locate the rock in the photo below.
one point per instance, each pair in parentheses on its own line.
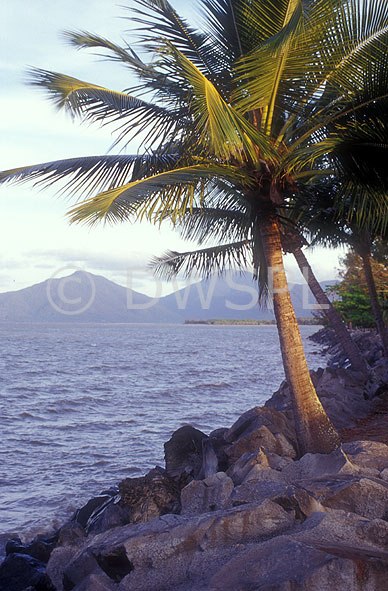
(259,472)
(71,538)
(83,515)
(71,534)
(19,571)
(260,438)
(257,491)
(96,582)
(291,498)
(149,496)
(277,462)
(38,548)
(59,559)
(283,564)
(368,454)
(209,459)
(340,391)
(241,468)
(319,465)
(110,516)
(183,453)
(202,496)
(173,549)
(219,443)
(364,497)
(341,527)
(259,416)
(79,568)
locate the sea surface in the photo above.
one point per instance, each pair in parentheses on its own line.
(84,406)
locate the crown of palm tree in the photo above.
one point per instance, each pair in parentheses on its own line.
(258,95)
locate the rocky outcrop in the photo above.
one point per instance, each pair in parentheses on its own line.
(236,510)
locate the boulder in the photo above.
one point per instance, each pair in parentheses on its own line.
(241,468)
(368,454)
(319,465)
(364,497)
(260,416)
(71,538)
(71,534)
(59,559)
(211,494)
(341,527)
(111,515)
(149,496)
(284,564)
(96,582)
(259,472)
(19,571)
(38,548)
(170,550)
(291,498)
(183,453)
(259,438)
(83,514)
(341,392)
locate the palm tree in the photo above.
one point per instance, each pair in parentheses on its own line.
(243,104)
(220,221)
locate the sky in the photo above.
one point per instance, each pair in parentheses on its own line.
(37,242)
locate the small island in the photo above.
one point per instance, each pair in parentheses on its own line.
(248,321)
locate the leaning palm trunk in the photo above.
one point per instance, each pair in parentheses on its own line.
(377,311)
(352,351)
(315,432)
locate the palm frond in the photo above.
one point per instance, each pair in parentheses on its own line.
(165,195)
(228,134)
(91,173)
(98,104)
(203,262)
(209,224)
(161,21)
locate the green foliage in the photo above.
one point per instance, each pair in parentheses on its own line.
(351,295)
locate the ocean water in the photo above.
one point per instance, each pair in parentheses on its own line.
(84,406)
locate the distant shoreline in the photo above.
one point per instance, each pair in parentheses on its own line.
(248,322)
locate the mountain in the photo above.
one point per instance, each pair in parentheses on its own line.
(85,297)
(81,297)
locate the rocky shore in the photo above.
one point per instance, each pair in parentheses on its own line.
(238,509)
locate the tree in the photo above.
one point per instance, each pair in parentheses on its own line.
(352,295)
(241,106)
(220,221)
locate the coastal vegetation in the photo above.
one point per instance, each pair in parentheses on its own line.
(248,111)
(351,295)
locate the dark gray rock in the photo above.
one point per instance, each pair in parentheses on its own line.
(19,571)
(364,497)
(92,507)
(291,498)
(38,548)
(96,582)
(241,468)
(211,494)
(319,465)
(285,564)
(149,496)
(166,552)
(110,516)
(183,453)
(367,454)
(257,417)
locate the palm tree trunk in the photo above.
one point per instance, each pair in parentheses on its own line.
(378,314)
(315,432)
(349,346)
